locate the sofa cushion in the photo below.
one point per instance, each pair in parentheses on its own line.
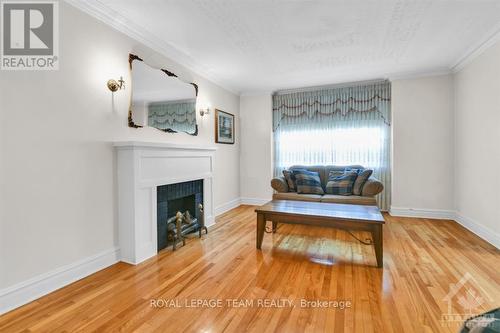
(334,174)
(314,168)
(349,199)
(341,185)
(297,196)
(363,175)
(290,179)
(324,170)
(308,182)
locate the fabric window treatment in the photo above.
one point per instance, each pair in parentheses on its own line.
(337,126)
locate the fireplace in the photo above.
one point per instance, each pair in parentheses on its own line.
(142,168)
(173,198)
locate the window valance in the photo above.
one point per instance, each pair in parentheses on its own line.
(371,99)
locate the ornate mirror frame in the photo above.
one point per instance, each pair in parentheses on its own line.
(131,58)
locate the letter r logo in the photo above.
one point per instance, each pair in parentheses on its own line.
(28,28)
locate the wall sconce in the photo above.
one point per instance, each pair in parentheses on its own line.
(204,111)
(113,85)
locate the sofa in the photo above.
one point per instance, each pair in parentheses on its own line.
(370,189)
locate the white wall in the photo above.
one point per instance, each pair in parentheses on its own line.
(422,159)
(422,125)
(256,148)
(57,177)
(477,149)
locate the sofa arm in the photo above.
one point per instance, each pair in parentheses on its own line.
(372,187)
(279,184)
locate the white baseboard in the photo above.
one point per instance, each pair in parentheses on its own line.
(221,209)
(475,227)
(34,288)
(489,235)
(422,213)
(254,201)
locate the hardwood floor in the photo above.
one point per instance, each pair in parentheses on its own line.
(421,259)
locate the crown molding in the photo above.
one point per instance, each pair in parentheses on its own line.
(476,50)
(108,16)
(253,93)
(419,74)
(103,13)
(329,86)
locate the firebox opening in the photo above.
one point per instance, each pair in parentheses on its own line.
(181,205)
(173,198)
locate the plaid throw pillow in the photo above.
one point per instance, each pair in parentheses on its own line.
(336,173)
(290,180)
(308,182)
(363,176)
(341,185)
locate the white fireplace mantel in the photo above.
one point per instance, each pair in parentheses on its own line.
(141,168)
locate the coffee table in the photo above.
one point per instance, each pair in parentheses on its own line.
(340,216)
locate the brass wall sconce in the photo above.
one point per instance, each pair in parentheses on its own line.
(204,111)
(114,85)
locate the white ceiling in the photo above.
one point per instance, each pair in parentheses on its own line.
(266,45)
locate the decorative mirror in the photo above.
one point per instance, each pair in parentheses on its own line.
(161,100)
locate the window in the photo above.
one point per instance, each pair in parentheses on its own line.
(336,126)
(334,146)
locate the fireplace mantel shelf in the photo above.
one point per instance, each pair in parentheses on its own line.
(161,145)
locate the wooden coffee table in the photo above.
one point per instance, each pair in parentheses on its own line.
(340,216)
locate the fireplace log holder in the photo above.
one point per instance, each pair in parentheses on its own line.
(180,225)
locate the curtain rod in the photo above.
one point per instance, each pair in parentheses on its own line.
(329,86)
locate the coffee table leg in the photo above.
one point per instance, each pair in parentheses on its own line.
(261,226)
(275,226)
(378,243)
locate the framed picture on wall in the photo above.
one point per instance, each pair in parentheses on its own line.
(224,127)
